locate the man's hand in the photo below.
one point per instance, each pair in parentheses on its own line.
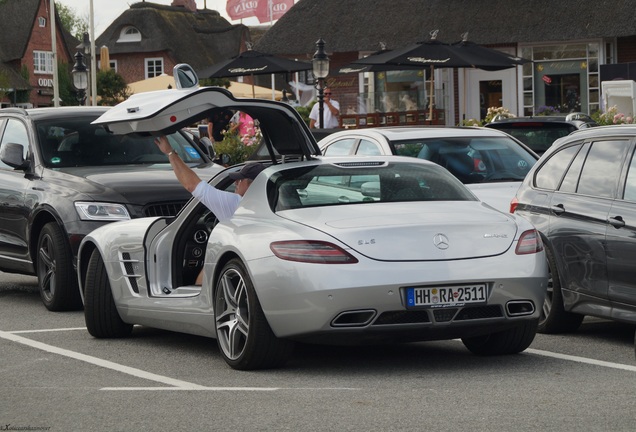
(163,144)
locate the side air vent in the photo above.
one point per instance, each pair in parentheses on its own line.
(129,271)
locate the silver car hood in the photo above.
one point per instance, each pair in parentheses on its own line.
(423,232)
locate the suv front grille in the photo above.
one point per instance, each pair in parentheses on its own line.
(163,209)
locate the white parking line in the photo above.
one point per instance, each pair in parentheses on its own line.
(176,384)
(581,360)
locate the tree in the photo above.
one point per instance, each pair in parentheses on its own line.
(71,21)
(111,87)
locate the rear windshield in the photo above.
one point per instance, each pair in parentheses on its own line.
(538,136)
(345,184)
(472,160)
(76,142)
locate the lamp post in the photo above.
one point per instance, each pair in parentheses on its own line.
(80,77)
(320,64)
(85,46)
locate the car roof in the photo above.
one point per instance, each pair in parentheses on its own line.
(57,112)
(165,111)
(576,119)
(414,132)
(623,130)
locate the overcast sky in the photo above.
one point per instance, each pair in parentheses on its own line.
(107,10)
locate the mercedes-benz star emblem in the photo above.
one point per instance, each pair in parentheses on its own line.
(440,241)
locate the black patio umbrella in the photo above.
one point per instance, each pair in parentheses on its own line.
(251,63)
(436,53)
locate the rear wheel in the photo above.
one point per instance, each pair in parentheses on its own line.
(56,276)
(100,312)
(244,336)
(554,318)
(511,341)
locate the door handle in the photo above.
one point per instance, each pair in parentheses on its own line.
(557,209)
(616,221)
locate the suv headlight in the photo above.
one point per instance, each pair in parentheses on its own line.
(97,211)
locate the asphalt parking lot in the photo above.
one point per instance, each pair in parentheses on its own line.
(56,377)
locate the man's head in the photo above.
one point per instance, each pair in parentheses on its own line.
(327,93)
(244,178)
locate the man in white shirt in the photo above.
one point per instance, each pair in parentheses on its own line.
(222,203)
(331,111)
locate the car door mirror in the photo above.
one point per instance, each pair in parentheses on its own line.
(208,147)
(12,155)
(184,76)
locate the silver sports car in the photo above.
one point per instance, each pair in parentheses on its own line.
(325,250)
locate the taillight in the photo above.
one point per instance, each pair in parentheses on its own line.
(513,204)
(530,242)
(311,251)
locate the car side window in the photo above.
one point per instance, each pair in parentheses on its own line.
(341,147)
(368,148)
(549,175)
(599,176)
(571,179)
(630,184)
(15,132)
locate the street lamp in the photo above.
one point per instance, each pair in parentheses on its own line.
(80,77)
(320,64)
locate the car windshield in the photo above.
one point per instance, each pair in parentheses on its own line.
(73,142)
(538,136)
(472,159)
(362,183)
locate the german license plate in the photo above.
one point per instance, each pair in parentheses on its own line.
(447,296)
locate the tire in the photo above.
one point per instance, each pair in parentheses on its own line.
(245,339)
(100,312)
(511,341)
(57,280)
(554,318)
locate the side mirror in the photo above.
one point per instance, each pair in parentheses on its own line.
(184,76)
(208,147)
(12,155)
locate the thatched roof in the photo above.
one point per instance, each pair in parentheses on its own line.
(199,38)
(359,25)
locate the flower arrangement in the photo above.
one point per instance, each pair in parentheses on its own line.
(497,112)
(612,116)
(238,148)
(470,122)
(546,110)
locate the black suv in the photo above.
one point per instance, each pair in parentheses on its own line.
(540,132)
(581,196)
(61,177)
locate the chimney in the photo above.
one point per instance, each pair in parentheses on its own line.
(190,5)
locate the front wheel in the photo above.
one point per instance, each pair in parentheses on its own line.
(511,341)
(100,312)
(245,339)
(56,276)
(554,318)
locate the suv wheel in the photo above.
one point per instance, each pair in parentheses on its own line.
(56,276)
(554,318)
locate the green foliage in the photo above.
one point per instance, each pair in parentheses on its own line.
(238,149)
(4,83)
(70,21)
(111,87)
(67,92)
(23,96)
(304,113)
(219,82)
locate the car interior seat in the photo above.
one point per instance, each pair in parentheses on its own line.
(288,197)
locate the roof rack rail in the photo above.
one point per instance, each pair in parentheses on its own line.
(16,110)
